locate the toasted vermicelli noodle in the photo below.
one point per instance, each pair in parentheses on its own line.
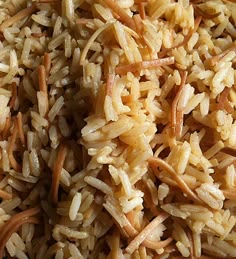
(117,129)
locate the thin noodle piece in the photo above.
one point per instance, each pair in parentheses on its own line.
(15,227)
(179,123)
(142,12)
(63,150)
(132,232)
(110,83)
(12,159)
(134,244)
(19,16)
(191,245)
(215,59)
(13,96)
(122,15)
(174,122)
(155,162)
(20,128)
(38,35)
(186,38)
(83,21)
(91,40)
(17,218)
(229,151)
(138,24)
(6,128)
(47,63)
(42,79)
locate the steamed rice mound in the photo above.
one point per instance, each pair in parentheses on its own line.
(117,129)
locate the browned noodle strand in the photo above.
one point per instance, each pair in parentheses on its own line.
(38,35)
(121,14)
(224,102)
(20,128)
(47,63)
(14,95)
(7,127)
(13,138)
(145,232)
(18,217)
(14,223)
(17,17)
(186,38)
(192,256)
(142,10)
(42,79)
(14,228)
(155,162)
(132,232)
(213,60)
(174,112)
(62,152)
(110,83)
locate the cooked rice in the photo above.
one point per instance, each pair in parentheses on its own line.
(117,129)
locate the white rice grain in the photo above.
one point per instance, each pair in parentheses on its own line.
(75,205)
(56,108)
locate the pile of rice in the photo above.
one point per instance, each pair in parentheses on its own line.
(117,129)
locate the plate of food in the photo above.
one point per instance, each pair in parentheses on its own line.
(117,129)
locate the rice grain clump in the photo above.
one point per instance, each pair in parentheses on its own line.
(117,129)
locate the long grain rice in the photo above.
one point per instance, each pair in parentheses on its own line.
(114,113)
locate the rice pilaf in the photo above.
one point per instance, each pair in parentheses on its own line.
(117,129)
